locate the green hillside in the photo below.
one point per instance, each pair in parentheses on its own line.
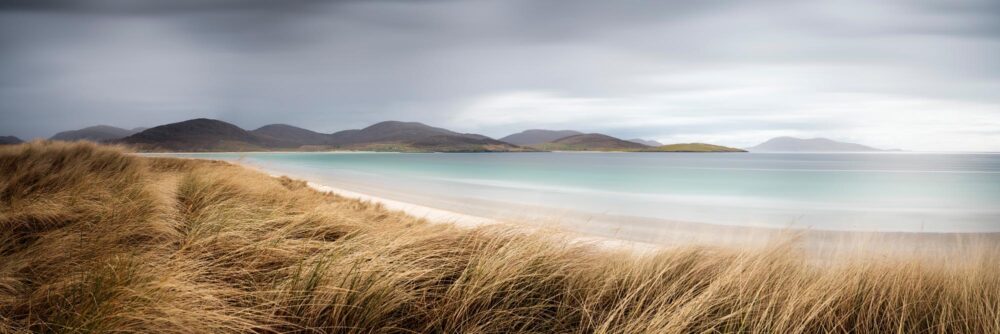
(692,147)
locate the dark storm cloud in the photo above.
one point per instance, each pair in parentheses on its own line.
(891,72)
(151,6)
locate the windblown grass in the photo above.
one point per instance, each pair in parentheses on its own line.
(95,240)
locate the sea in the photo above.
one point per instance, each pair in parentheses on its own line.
(879,192)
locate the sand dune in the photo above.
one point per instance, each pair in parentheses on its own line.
(96,240)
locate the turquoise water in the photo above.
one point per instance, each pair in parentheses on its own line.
(871,192)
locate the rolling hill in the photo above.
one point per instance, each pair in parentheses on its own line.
(538,136)
(590,142)
(199,135)
(394,131)
(96,133)
(605,143)
(417,137)
(10,140)
(792,144)
(691,147)
(209,135)
(446,143)
(646,142)
(292,135)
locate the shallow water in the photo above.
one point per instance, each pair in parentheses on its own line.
(906,192)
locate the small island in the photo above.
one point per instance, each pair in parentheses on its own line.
(692,147)
(810,145)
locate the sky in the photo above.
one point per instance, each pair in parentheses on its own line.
(913,74)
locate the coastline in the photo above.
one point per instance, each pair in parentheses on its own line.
(416,210)
(424,212)
(658,234)
(442,216)
(660,190)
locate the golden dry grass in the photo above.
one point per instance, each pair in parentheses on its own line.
(95,240)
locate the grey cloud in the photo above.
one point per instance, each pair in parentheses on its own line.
(343,64)
(133,7)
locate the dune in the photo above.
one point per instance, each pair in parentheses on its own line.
(93,239)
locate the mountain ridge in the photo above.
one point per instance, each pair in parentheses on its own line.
(211,135)
(393,131)
(10,140)
(793,144)
(96,133)
(693,148)
(200,134)
(292,134)
(204,134)
(589,142)
(646,142)
(416,136)
(538,136)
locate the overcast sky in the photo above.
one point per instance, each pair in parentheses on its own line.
(914,74)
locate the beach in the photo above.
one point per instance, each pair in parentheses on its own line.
(637,192)
(639,233)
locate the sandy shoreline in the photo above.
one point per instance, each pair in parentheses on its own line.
(644,235)
(460,219)
(441,216)
(420,211)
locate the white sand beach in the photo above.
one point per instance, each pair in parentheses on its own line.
(643,234)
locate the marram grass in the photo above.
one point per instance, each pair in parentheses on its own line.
(96,240)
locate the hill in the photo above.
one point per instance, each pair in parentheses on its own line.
(646,142)
(291,134)
(96,133)
(446,143)
(200,135)
(537,136)
(601,142)
(109,242)
(394,131)
(214,135)
(10,140)
(590,142)
(692,147)
(417,137)
(792,144)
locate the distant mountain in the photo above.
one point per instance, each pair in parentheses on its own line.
(692,147)
(791,144)
(646,142)
(394,131)
(601,142)
(413,136)
(10,140)
(209,135)
(214,135)
(198,135)
(538,136)
(446,143)
(94,133)
(590,142)
(292,135)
